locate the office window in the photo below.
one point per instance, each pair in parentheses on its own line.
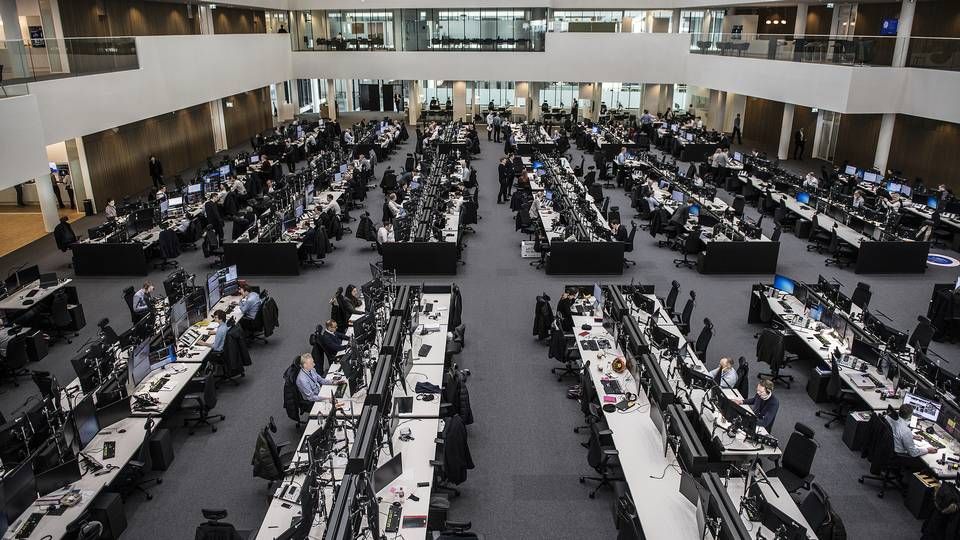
(560,94)
(502,93)
(442,90)
(587,20)
(647,21)
(305,92)
(625,95)
(476,29)
(362,28)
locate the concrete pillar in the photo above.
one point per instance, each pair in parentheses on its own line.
(532,109)
(705,25)
(16,53)
(800,25)
(884,139)
(413,108)
(715,110)
(522,91)
(595,93)
(459,99)
(651,98)
(219,126)
(206,19)
(904,30)
(79,172)
(786,131)
(647,21)
(315,91)
(348,84)
(48,202)
(666,97)
(675,22)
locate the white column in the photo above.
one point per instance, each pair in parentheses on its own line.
(904,30)
(718,100)
(459,99)
(666,97)
(786,131)
(79,172)
(218,124)
(413,108)
(48,203)
(206,18)
(315,91)
(884,139)
(331,99)
(675,22)
(522,90)
(800,25)
(651,98)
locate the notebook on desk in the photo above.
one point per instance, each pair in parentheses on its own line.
(611,386)
(862,381)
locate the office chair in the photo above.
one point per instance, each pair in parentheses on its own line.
(644,212)
(214,529)
(703,340)
(60,320)
(771,351)
(922,334)
(201,397)
(784,218)
(843,399)
(743,376)
(670,302)
(131,476)
(879,451)
(455,344)
(169,247)
(541,246)
(777,231)
(815,508)
(128,298)
(842,255)
(690,246)
(274,463)
(313,250)
(604,458)
(589,402)
(456,530)
(941,235)
(628,245)
(738,204)
(861,295)
(259,332)
(210,248)
(683,321)
(793,467)
(819,237)
(14,360)
(563,348)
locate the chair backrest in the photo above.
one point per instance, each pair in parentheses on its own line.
(628,247)
(59,312)
(128,298)
(16,355)
(861,295)
(738,204)
(672,295)
(800,450)
(815,507)
(834,385)
(688,309)
(922,334)
(743,374)
(692,243)
(209,392)
(703,340)
(776,234)
(834,241)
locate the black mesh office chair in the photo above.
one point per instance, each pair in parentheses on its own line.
(131,476)
(861,295)
(604,458)
(777,231)
(690,246)
(59,319)
(563,348)
(589,402)
(815,508)
(743,376)
(201,398)
(628,245)
(793,468)
(670,302)
(738,204)
(842,254)
(214,528)
(842,398)
(703,340)
(922,334)
(683,321)
(14,361)
(819,237)
(879,451)
(783,218)
(771,351)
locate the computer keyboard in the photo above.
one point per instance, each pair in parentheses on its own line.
(393,518)
(158,384)
(32,293)
(424,350)
(29,525)
(933,442)
(823,341)
(877,382)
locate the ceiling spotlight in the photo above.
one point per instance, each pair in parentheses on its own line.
(768,21)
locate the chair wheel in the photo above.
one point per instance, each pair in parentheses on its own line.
(582,480)
(214,428)
(159,480)
(189,433)
(592,495)
(880,494)
(817,413)
(149,497)
(576,430)
(860,480)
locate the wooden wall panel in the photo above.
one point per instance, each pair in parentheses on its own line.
(926,148)
(819,19)
(762,119)
(804,117)
(118,159)
(870,18)
(940,18)
(238,21)
(857,139)
(246,114)
(81,18)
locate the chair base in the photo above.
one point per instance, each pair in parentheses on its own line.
(604,480)
(208,420)
(886,479)
(785,380)
(568,370)
(835,415)
(628,262)
(839,263)
(685,263)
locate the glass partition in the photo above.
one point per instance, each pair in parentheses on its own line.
(934,53)
(29,60)
(476,29)
(843,50)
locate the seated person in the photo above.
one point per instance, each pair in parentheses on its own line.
(332,204)
(619,232)
(904,441)
(63,234)
(724,374)
(142,303)
(564,310)
(309,381)
(331,341)
(682,213)
(220,334)
(764,404)
(249,307)
(385,233)
(351,302)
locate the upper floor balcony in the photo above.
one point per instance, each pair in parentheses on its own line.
(27,61)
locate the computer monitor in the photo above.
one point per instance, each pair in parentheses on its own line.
(289,223)
(194,188)
(689,137)
(28,275)
(298,211)
(337,177)
(803,197)
(254,159)
(111,413)
(597,294)
(595,130)
(905,190)
(738,156)
(164,206)
(163,356)
(178,317)
(932,202)
(225,170)
(19,491)
(850,170)
(49,279)
(677,195)
(816,312)
(537,164)
(85,418)
(174,202)
(230,279)
(58,477)
(675,127)
(138,364)
(922,407)
(343,168)
(385,474)
(737,414)
(871,177)
(893,187)
(213,290)
(694,210)
(783,283)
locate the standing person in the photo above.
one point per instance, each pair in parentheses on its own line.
(497,122)
(490,126)
(737,134)
(799,141)
(574,110)
(396,103)
(68,184)
(111,209)
(504,170)
(142,303)
(19,189)
(56,189)
(156,172)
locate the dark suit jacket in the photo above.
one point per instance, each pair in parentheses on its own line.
(621,235)
(156,169)
(331,343)
(680,215)
(765,409)
(213,214)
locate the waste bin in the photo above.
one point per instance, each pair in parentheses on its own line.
(88,207)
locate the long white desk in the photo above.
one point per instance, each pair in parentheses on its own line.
(777,496)
(15,302)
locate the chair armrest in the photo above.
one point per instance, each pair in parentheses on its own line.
(609,451)
(193,396)
(604,432)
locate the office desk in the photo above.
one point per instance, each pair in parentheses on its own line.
(951,449)
(781,500)
(89,485)
(416,456)
(15,303)
(427,257)
(664,511)
(179,377)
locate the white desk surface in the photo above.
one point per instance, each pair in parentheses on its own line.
(781,500)
(15,301)
(663,510)
(90,485)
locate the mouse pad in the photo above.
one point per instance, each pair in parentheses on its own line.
(414,522)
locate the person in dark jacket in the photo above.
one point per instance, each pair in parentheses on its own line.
(63,234)
(156,172)
(331,341)
(212,211)
(764,404)
(564,310)
(456,453)
(504,172)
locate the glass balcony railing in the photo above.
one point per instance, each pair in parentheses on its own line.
(25,61)
(820,49)
(934,53)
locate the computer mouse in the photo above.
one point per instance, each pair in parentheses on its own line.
(121,430)
(27,302)
(930,430)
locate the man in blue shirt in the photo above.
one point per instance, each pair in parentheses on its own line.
(904,441)
(220,334)
(309,381)
(764,404)
(249,307)
(142,302)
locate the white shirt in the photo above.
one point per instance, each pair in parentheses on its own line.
(385,236)
(395,208)
(348,137)
(903,442)
(332,204)
(811,182)
(110,211)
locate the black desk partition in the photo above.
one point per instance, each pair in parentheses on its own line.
(420,257)
(263,258)
(739,258)
(896,257)
(109,259)
(585,258)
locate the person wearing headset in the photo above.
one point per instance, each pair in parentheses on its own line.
(220,334)
(309,381)
(764,404)
(724,374)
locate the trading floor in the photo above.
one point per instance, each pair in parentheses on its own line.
(528,459)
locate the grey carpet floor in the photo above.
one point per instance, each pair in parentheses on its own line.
(527,457)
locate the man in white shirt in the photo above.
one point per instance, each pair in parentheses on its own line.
(857,199)
(724,374)
(332,204)
(905,442)
(162,193)
(111,209)
(348,137)
(395,209)
(385,233)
